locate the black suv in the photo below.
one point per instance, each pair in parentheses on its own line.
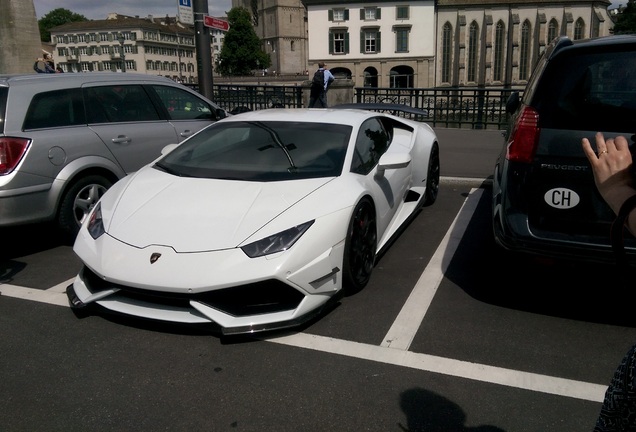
(544,198)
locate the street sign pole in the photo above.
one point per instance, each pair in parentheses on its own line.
(204,60)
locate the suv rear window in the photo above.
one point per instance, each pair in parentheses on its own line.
(588,91)
(55,109)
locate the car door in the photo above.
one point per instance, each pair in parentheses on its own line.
(128,123)
(388,188)
(187,111)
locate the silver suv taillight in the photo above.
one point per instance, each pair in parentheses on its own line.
(11,152)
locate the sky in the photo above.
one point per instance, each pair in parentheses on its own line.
(99,9)
(93,9)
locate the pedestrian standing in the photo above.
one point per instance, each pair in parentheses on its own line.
(319,86)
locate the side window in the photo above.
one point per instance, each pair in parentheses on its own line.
(182,105)
(371,143)
(119,103)
(56,108)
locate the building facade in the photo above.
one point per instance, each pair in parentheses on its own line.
(496,44)
(281,25)
(158,46)
(424,43)
(380,44)
(387,43)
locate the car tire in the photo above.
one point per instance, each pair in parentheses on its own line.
(78,201)
(360,247)
(432,177)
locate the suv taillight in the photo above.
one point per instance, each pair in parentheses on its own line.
(524,137)
(11,152)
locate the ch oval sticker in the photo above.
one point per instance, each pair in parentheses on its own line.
(561,198)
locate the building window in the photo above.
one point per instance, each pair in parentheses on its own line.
(338,42)
(370,41)
(338,14)
(524,51)
(401,77)
(370,14)
(370,77)
(103,37)
(473,37)
(401,12)
(579,29)
(553,30)
(292,46)
(447,40)
(402,39)
(500,40)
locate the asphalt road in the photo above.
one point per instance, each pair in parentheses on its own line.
(451,334)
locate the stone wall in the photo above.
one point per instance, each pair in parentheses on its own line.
(20,42)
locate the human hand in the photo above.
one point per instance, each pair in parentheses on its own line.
(612,169)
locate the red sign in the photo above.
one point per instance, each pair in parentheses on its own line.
(216,23)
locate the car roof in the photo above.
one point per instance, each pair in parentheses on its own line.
(66,79)
(314,115)
(564,43)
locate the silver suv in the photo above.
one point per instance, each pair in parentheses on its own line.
(66,138)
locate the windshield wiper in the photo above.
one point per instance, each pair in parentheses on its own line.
(169,170)
(281,145)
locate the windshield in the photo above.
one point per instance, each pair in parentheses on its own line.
(261,151)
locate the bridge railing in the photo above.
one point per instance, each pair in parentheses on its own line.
(451,107)
(465,107)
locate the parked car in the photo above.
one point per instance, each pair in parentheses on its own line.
(258,221)
(66,138)
(544,198)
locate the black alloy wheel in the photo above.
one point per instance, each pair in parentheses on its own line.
(432,177)
(360,247)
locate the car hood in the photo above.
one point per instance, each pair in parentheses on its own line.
(194,215)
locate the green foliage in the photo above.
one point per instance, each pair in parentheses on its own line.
(626,21)
(55,18)
(242,52)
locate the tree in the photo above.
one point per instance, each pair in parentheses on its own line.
(241,52)
(55,18)
(626,20)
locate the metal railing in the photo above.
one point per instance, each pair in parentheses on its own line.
(452,107)
(239,98)
(465,107)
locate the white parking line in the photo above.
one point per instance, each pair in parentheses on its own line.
(446,366)
(55,295)
(408,321)
(395,345)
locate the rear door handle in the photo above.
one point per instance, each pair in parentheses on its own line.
(121,139)
(186,133)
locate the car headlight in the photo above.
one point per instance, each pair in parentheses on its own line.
(277,242)
(95,224)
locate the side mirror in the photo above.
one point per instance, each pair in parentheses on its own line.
(512,103)
(220,113)
(167,149)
